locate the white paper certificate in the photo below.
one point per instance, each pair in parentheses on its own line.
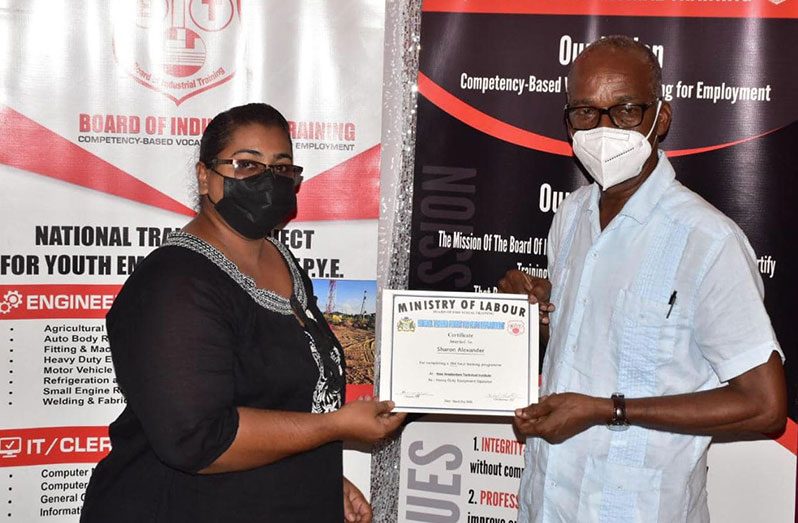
(458,352)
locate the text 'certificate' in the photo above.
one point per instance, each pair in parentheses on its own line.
(458,352)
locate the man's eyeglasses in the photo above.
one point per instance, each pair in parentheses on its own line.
(624,116)
(243,169)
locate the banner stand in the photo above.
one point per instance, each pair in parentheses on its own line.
(399,99)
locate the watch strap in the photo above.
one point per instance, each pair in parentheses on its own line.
(619,421)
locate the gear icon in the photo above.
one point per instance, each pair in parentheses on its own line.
(5,308)
(13,298)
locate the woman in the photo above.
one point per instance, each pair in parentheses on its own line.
(234,382)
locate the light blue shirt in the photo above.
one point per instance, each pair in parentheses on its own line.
(614,331)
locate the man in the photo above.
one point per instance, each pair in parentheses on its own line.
(659,339)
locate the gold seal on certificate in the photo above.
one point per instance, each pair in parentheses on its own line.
(458,352)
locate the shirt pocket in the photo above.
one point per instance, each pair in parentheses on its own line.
(611,492)
(646,329)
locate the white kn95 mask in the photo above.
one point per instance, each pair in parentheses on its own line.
(612,155)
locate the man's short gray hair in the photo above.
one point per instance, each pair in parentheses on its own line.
(623,42)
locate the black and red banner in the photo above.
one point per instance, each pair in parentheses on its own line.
(493,161)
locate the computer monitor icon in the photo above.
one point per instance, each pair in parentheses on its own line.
(10,447)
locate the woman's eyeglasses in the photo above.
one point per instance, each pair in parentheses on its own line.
(243,169)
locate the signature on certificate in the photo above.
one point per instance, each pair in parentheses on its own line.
(414,394)
(505,396)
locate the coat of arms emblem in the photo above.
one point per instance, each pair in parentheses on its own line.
(406,325)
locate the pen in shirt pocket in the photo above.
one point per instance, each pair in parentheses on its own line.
(671,301)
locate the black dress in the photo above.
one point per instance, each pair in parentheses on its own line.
(192,339)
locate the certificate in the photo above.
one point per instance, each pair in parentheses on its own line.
(458,352)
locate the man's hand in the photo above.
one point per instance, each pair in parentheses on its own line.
(538,290)
(559,416)
(356,508)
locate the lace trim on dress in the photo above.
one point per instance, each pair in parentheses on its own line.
(325,397)
(265,298)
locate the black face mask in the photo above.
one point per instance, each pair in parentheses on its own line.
(256,205)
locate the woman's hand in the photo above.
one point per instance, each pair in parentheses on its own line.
(367,421)
(356,508)
(538,290)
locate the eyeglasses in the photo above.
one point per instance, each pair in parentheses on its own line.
(624,116)
(243,169)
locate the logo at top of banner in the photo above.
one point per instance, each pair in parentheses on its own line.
(179,48)
(777,2)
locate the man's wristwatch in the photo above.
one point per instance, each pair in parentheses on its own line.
(619,421)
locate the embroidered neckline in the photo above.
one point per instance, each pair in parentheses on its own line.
(265,298)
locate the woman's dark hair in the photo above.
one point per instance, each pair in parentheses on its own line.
(219,132)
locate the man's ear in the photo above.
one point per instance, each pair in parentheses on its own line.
(202,178)
(664,119)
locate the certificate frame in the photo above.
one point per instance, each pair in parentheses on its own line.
(440,353)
